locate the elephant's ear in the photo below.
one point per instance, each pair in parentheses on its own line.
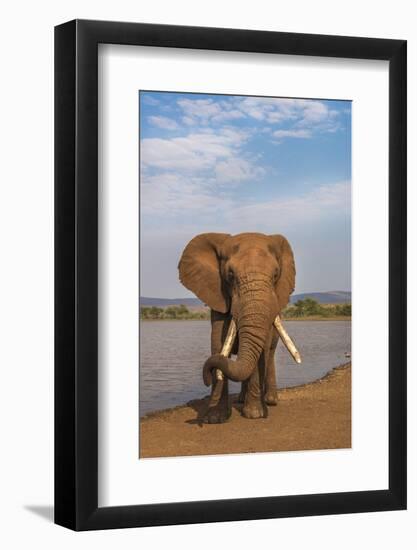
(199,269)
(286,283)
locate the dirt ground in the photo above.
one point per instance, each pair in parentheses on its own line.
(312,416)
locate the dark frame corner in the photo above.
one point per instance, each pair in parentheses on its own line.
(76,178)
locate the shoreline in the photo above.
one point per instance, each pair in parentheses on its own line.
(311,416)
(233,396)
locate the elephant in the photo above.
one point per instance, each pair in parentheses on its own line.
(246,280)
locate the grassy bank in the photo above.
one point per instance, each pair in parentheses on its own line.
(319,318)
(302,310)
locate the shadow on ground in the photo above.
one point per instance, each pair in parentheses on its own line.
(200,406)
(45,512)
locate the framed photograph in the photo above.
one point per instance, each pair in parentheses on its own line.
(230,253)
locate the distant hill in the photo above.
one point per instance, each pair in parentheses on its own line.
(165,302)
(331,297)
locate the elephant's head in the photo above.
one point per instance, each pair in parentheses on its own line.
(250,276)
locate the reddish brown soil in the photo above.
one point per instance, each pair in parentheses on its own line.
(313,416)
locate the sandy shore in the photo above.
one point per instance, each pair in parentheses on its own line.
(312,416)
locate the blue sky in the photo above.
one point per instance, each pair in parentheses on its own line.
(235,164)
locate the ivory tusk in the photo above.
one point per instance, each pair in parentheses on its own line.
(289,344)
(227,346)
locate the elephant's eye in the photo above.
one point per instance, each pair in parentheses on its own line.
(230,275)
(276,275)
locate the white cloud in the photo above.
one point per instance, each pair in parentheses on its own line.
(163,122)
(295,114)
(189,121)
(271,110)
(301,112)
(196,171)
(327,201)
(149,100)
(301,134)
(314,111)
(237,170)
(207,154)
(233,114)
(180,195)
(193,153)
(199,110)
(208,111)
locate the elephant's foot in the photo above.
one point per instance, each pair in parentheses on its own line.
(271,397)
(217,414)
(255,410)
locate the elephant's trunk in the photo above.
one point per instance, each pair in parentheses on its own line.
(254,321)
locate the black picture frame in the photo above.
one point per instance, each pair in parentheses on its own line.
(76,272)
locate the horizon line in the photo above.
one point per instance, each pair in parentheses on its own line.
(295,294)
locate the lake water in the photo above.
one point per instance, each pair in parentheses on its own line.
(172,355)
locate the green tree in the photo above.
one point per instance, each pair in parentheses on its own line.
(177,312)
(144,312)
(151,312)
(344,309)
(308,306)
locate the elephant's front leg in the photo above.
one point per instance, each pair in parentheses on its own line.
(271,391)
(255,406)
(219,409)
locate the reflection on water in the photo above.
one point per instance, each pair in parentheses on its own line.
(172,354)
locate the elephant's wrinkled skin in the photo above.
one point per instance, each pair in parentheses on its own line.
(248,277)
